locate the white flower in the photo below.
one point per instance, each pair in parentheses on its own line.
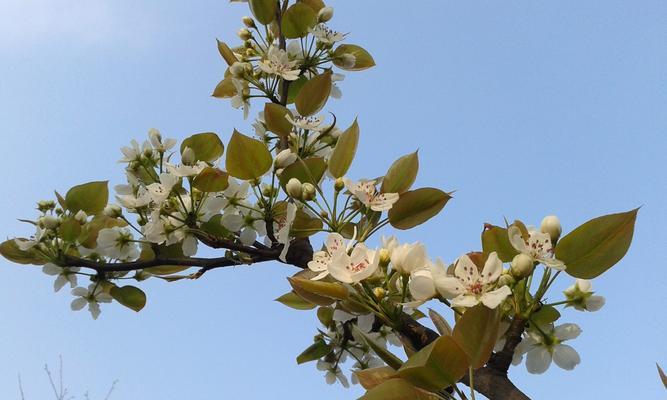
(157,142)
(134,152)
(332,374)
(284,159)
(336,93)
(360,264)
(422,280)
(334,244)
(189,245)
(366,193)
(117,243)
(406,258)
(284,228)
(92,297)
(326,35)
(184,170)
(27,244)
(541,350)
(249,224)
(581,296)
(133,202)
(468,287)
(235,194)
(240,100)
(311,123)
(277,63)
(537,246)
(81,217)
(64,275)
(159,191)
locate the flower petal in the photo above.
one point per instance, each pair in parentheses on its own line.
(465,301)
(493,267)
(493,298)
(538,360)
(466,270)
(448,286)
(567,331)
(566,357)
(78,304)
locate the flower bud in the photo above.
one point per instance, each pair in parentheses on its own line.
(522,266)
(506,280)
(339,184)
(325,14)
(551,225)
(379,293)
(284,158)
(385,257)
(48,222)
(348,60)
(294,188)
(188,156)
(81,217)
(113,211)
(46,205)
(308,191)
(244,34)
(248,21)
(237,69)
(250,52)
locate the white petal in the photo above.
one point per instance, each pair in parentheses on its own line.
(80,291)
(248,236)
(233,222)
(566,357)
(365,322)
(342,316)
(567,331)
(538,360)
(584,285)
(465,301)
(516,240)
(78,304)
(466,270)
(189,246)
(422,286)
(52,269)
(449,287)
(493,298)
(493,267)
(553,263)
(594,303)
(94,309)
(60,281)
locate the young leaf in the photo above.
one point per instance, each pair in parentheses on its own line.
(316,5)
(345,150)
(207,146)
(264,10)
(362,59)
(544,316)
(416,207)
(398,389)
(247,158)
(309,170)
(274,115)
(385,355)
(401,174)
(69,229)
(90,197)
(314,93)
(226,53)
(495,238)
(297,20)
(476,332)
(663,377)
(293,300)
(597,245)
(211,180)
(372,377)
(315,351)
(10,251)
(440,322)
(225,89)
(331,290)
(129,296)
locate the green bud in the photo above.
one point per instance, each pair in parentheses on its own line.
(339,184)
(248,21)
(506,280)
(46,205)
(522,266)
(113,211)
(325,14)
(188,156)
(244,34)
(294,188)
(308,191)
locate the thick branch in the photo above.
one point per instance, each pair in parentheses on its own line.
(501,360)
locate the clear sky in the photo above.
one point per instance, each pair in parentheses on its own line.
(526,108)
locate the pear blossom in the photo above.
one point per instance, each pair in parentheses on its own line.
(326,35)
(117,243)
(134,152)
(159,191)
(277,63)
(249,224)
(236,194)
(134,201)
(334,244)
(360,264)
(185,170)
(311,123)
(468,287)
(284,228)
(537,246)
(27,244)
(541,349)
(240,100)
(64,275)
(422,280)
(366,193)
(91,297)
(333,373)
(158,143)
(284,159)
(580,296)
(406,258)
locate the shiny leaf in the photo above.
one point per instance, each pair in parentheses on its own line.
(129,296)
(344,152)
(314,94)
(362,59)
(247,158)
(90,197)
(207,146)
(264,10)
(211,180)
(297,20)
(274,116)
(401,174)
(476,332)
(293,300)
(416,207)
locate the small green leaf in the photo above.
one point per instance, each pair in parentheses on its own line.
(314,352)
(10,251)
(309,170)
(314,93)
(476,332)
(207,146)
(440,322)
(316,5)
(295,88)
(247,158)
(362,59)
(211,180)
(69,229)
(264,10)
(401,174)
(344,152)
(293,300)
(129,296)
(226,53)
(332,290)
(495,238)
(372,377)
(225,89)
(274,116)
(385,355)
(663,377)
(397,389)
(90,197)
(544,316)
(416,207)
(214,227)
(436,366)
(597,245)
(297,20)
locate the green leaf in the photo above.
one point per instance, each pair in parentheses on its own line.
(495,238)
(362,59)
(211,180)
(325,315)
(663,377)
(69,229)
(225,89)
(207,146)
(440,322)
(476,332)
(401,174)
(305,225)
(274,116)
(247,158)
(214,227)
(309,170)
(436,366)
(332,290)
(314,352)
(597,245)
(293,300)
(295,88)
(416,207)
(372,377)
(129,296)
(90,197)
(10,251)
(297,20)
(385,355)
(345,150)
(314,93)
(226,53)
(264,10)
(397,389)
(544,316)
(316,5)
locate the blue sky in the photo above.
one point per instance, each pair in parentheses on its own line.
(526,108)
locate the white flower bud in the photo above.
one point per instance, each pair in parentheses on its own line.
(154,136)
(294,188)
(348,60)
(188,156)
(422,286)
(308,191)
(244,34)
(237,69)
(551,225)
(284,158)
(113,211)
(49,221)
(522,266)
(81,216)
(339,184)
(385,257)
(46,205)
(248,21)
(325,14)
